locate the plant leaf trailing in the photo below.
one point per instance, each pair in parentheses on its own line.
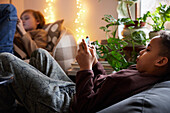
(113,50)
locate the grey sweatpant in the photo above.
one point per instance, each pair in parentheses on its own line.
(42,87)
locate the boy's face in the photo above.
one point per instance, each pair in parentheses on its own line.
(147,58)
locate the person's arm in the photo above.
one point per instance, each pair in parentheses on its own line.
(87,60)
(92,96)
(98,69)
(20,28)
(33,41)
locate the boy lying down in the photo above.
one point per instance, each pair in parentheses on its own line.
(42,86)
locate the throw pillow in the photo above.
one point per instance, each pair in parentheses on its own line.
(53,30)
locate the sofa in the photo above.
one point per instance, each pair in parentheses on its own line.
(61,44)
(154,100)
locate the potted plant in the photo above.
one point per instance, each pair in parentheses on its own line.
(138,24)
(159,17)
(113,51)
(123,9)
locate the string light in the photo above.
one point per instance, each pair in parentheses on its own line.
(49,11)
(80,20)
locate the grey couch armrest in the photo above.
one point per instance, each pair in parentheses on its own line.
(154,100)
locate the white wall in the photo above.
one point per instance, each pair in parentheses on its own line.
(19,4)
(66,9)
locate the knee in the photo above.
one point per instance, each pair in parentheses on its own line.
(13,10)
(8,8)
(40,52)
(5,56)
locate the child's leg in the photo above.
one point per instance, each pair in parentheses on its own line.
(8,20)
(36,91)
(43,61)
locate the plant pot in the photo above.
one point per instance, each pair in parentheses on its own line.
(142,24)
(126,32)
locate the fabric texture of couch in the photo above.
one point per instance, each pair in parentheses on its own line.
(61,44)
(153,100)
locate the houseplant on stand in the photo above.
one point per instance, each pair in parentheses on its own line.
(123,10)
(113,50)
(132,30)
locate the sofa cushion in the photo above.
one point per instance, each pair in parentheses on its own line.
(54,30)
(153,100)
(65,50)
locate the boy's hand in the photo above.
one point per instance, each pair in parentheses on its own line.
(93,51)
(85,57)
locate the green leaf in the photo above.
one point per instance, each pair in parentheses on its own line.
(159,17)
(139,37)
(126,21)
(109,18)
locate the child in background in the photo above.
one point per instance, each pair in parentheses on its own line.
(30,34)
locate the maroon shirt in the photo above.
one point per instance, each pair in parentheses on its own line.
(95,90)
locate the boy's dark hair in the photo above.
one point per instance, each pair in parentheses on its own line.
(38,16)
(165,49)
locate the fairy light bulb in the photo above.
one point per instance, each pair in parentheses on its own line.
(49,11)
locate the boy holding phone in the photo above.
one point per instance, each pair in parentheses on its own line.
(43,86)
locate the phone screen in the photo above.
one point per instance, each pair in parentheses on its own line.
(87,40)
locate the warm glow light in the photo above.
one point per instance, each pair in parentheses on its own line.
(80,21)
(49,11)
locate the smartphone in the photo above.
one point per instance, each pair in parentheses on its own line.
(87,40)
